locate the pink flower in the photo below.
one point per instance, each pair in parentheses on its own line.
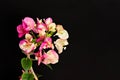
(48,21)
(40,28)
(28,23)
(51,57)
(21,31)
(47,43)
(50,25)
(27,46)
(39,57)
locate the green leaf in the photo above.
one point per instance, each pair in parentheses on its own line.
(27,76)
(49,66)
(38,75)
(26,63)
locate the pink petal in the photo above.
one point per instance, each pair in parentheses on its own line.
(20,35)
(39,39)
(19,29)
(48,39)
(48,21)
(43,45)
(39,56)
(51,57)
(28,23)
(22,42)
(42,26)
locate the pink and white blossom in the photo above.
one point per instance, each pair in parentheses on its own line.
(47,43)
(28,23)
(51,57)
(28,37)
(48,21)
(40,35)
(40,28)
(27,46)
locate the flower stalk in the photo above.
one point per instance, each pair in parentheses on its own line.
(31,69)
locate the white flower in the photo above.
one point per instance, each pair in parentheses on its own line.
(59,44)
(52,27)
(61,32)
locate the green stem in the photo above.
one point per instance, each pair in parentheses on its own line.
(33,34)
(32,71)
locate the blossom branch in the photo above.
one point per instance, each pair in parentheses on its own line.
(39,43)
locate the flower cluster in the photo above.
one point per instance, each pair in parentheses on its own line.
(43,39)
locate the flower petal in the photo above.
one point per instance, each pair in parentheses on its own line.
(51,57)
(48,21)
(59,43)
(28,23)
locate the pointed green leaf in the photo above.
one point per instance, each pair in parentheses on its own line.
(27,76)
(26,63)
(38,75)
(49,66)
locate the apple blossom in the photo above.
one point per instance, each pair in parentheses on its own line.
(51,57)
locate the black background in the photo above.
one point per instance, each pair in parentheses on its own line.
(94,43)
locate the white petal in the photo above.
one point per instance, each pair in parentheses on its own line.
(63,34)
